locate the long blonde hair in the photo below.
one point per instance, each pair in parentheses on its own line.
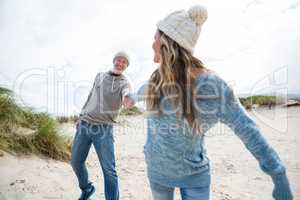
(173,79)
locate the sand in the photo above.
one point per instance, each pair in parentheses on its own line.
(235,172)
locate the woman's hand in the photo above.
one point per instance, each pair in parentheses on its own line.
(282,190)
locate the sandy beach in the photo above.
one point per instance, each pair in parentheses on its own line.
(235,172)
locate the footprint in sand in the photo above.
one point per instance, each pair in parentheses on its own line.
(229,167)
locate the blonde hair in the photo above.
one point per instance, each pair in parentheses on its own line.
(173,79)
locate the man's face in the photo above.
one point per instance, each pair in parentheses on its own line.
(120,64)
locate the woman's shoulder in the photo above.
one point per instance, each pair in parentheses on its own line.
(209,83)
(210,77)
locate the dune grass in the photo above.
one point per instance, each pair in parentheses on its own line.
(44,139)
(10,112)
(67,119)
(259,100)
(131,111)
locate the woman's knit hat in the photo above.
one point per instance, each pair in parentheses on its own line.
(184,26)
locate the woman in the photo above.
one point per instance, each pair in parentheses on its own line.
(185,100)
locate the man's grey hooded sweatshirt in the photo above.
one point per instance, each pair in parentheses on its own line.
(105,98)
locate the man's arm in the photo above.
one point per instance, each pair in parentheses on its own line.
(127,101)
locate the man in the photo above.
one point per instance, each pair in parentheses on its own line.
(109,92)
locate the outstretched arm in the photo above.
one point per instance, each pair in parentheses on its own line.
(140,93)
(234,115)
(127,100)
(130,98)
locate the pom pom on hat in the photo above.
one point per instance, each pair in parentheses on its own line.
(198,14)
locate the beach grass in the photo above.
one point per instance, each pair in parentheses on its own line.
(259,100)
(134,110)
(44,137)
(67,119)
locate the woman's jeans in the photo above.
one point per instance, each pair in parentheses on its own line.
(160,192)
(101,136)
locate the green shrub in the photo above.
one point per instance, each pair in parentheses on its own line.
(45,139)
(260,100)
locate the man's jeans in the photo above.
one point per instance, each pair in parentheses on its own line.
(160,192)
(101,136)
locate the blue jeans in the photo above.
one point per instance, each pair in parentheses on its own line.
(101,136)
(160,192)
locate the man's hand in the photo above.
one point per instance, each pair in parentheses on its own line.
(127,102)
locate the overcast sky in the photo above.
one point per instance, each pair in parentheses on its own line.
(51,50)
